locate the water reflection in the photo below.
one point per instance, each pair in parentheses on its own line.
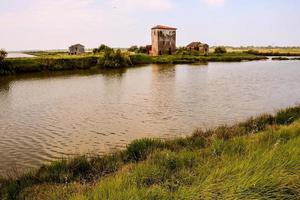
(46,116)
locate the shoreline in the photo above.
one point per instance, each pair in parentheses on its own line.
(88,170)
(14,66)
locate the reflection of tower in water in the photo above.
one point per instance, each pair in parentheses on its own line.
(165,107)
(4,86)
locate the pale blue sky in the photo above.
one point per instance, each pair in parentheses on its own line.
(56,24)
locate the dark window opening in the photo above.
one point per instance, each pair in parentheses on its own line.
(170,51)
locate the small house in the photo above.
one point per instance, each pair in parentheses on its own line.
(198,46)
(76,49)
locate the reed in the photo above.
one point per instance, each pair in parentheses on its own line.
(173,166)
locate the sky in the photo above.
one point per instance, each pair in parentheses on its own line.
(57,24)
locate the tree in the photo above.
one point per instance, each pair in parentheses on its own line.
(142,49)
(220,50)
(101,48)
(116,59)
(133,48)
(3,54)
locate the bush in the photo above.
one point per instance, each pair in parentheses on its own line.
(133,48)
(115,59)
(101,48)
(220,50)
(142,49)
(3,54)
(140,149)
(137,59)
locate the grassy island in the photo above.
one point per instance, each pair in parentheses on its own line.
(58,61)
(255,159)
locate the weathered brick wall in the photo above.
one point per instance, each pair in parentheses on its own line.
(163,41)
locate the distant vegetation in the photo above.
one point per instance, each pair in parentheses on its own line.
(101,48)
(109,58)
(3,54)
(133,49)
(106,57)
(47,63)
(115,59)
(256,159)
(220,50)
(185,51)
(280,58)
(271,53)
(265,51)
(136,49)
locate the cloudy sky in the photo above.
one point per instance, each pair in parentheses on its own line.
(56,24)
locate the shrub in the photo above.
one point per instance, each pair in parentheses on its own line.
(3,54)
(220,50)
(101,48)
(140,149)
(115,59)
(184,51)
(142,49)
(288,115)
(133,48)
(137,59)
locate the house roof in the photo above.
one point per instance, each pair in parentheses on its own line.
(164,27)
(77,45)
(195,44)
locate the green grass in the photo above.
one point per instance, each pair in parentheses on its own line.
(171,167)
(182,59)
(262,166)
(51,63)
(266,51)
(61,61)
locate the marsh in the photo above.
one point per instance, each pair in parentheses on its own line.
(44,117)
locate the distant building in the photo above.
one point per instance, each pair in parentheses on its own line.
(163,40)
(76,49)
(198,46)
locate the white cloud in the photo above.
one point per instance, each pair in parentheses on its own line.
(215,2)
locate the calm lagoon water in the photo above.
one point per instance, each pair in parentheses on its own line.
(46,117)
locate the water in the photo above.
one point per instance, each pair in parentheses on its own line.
(19,55)
(46,117)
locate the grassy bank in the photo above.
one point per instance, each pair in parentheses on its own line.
(49,63)
(60,61)
(256,159)
(185,59)
(265,51)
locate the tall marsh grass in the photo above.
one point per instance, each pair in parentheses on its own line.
(226,162)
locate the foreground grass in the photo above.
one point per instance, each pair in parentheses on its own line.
(262,166)
(176,167)
(62,62)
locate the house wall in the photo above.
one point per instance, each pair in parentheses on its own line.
(76,50)
(163,41)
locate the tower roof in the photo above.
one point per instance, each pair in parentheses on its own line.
(164,27)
